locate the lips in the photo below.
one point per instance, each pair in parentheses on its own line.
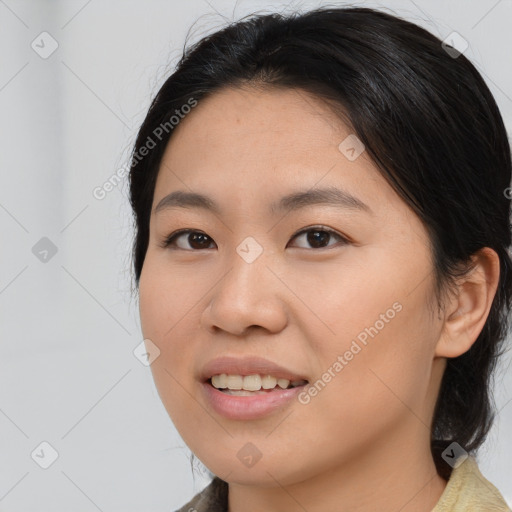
(256,406)
(248,366)
(248,405)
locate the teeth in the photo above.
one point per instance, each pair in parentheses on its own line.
(235,382)
(220,381)
(283,383)
(268,382)
(251,382)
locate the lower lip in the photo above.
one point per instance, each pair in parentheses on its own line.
(248,407)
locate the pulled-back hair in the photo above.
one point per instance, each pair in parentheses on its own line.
(427,120)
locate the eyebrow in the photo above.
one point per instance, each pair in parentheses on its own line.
(329,196)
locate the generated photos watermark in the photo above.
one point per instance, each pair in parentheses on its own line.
(101,192)
(343,360)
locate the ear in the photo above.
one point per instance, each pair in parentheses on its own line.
(468,310)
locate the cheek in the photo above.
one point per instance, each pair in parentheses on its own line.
(168,319)
(379,345)
(166,315)
(165,298)
(384,373)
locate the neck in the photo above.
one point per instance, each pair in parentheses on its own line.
(398,474)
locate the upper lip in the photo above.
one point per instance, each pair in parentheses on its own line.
(248,366)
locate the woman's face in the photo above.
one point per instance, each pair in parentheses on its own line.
(331,291)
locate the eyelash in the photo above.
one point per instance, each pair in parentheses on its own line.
(169,240)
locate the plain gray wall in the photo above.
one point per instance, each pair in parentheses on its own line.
(69,325)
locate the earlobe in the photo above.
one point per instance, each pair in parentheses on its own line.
(469,309)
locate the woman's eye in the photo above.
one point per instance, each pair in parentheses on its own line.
(316,238)
(195,239)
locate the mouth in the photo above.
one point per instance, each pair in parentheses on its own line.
(251,385)
(250,397)
(249,388)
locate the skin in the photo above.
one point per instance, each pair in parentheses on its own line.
(364,439)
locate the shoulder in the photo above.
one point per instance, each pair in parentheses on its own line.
(469,491)
(213,498)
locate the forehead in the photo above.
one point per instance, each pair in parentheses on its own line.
(260,144)
(253,114)
(248,129)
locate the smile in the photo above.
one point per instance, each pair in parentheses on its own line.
(248,388)
(240,385)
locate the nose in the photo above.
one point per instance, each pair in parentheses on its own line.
(248,296)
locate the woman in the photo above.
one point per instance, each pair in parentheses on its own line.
(321,255)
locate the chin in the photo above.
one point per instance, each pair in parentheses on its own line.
(265,472)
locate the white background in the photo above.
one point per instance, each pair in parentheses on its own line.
(68,326)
